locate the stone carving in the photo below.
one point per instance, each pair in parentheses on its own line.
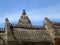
(25,31)
(2,41)
(32,35)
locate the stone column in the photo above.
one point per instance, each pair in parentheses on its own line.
(7,28)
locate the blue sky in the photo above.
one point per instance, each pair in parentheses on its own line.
(35,9)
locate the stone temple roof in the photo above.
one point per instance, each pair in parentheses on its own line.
(32,27)
(56,25)
(32,35)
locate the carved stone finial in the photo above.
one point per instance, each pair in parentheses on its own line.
(47,20)
(7,25)
(6,19)
(24,13)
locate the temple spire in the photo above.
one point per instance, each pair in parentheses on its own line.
(24,20)
(23,13)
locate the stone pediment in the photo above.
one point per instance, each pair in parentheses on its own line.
(32,35)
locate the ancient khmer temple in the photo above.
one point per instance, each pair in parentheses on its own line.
(25,33)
